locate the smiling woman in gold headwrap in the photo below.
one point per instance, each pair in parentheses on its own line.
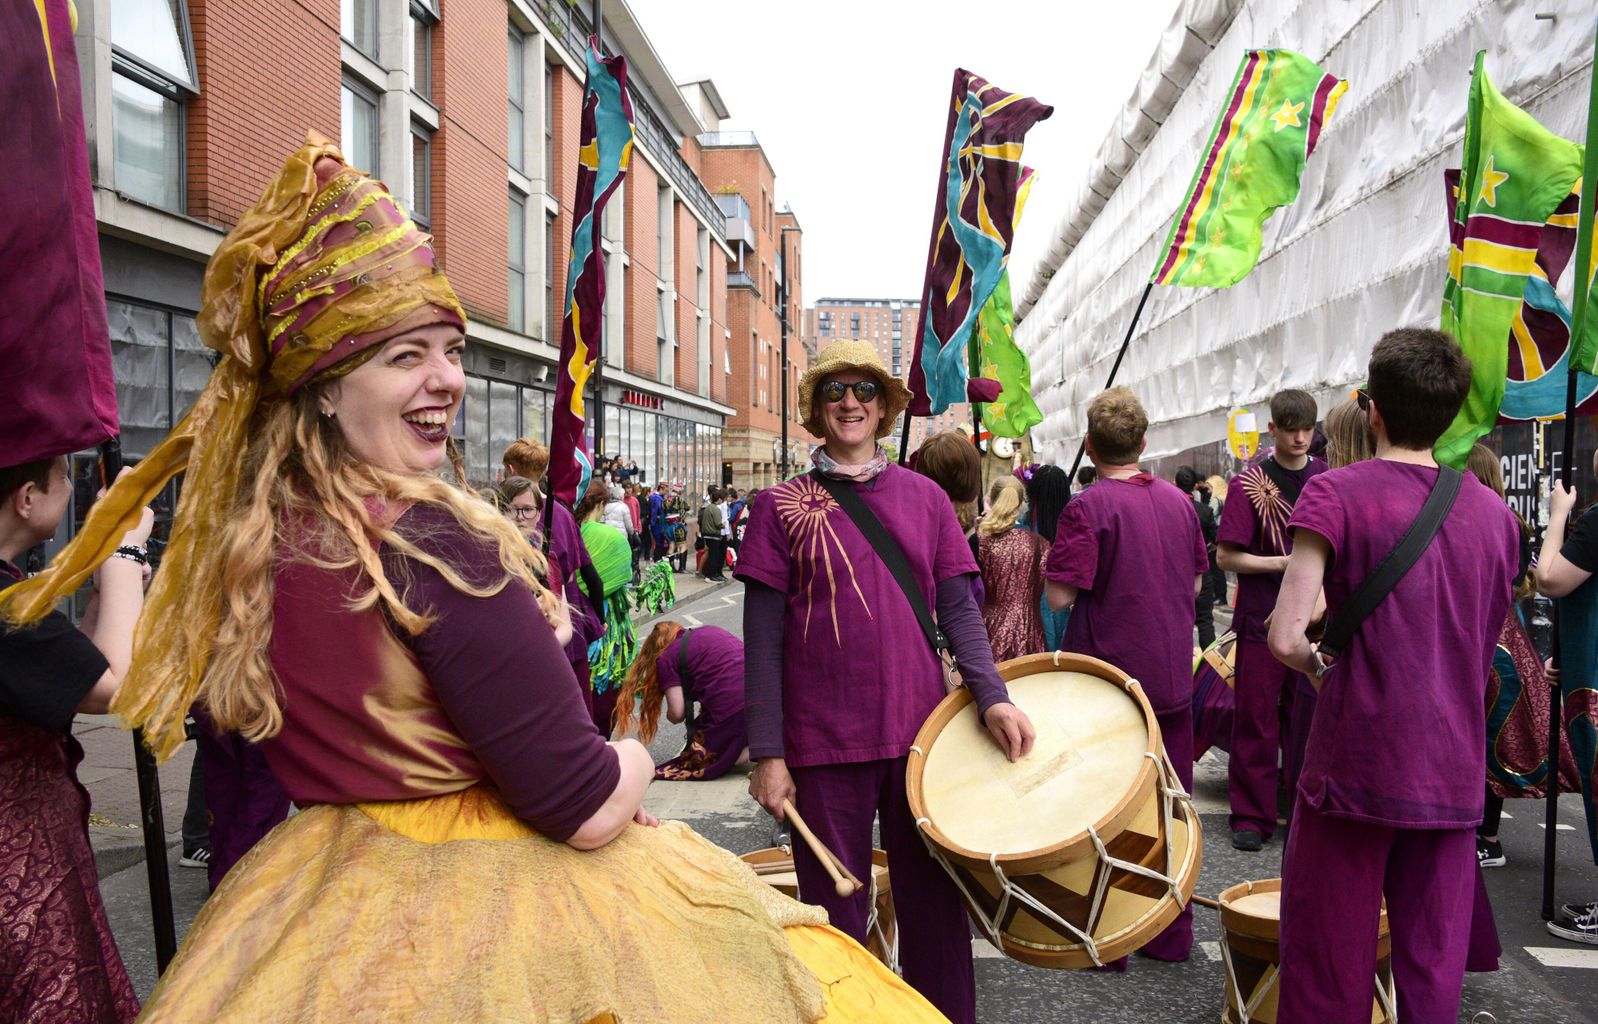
(470,847)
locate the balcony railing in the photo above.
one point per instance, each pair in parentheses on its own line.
(739,218)
(739,279)
(712,139)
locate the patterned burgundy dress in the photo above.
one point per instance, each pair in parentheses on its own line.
(1012,573)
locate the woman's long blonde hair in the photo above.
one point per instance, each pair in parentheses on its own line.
(1348,435)
(1006,497)
(641,688)
(303,496)
(1483,465)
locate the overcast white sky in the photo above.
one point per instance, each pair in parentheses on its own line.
(849,100)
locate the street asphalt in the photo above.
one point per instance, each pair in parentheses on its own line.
(1541,979)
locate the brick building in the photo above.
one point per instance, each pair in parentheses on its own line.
(470,112)
(765,269)
(891,325)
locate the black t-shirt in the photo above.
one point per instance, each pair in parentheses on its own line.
(1581,547)
(45,669)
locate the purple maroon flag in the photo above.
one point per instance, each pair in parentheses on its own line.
(55,349)
(606,149)
(973,225)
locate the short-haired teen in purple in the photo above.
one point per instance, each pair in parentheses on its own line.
(1127,559)
(839,677)
(1390,793)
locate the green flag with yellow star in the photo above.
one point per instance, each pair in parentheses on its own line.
(1274,113)
(1514,174)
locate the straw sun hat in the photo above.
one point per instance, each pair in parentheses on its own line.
(852,355)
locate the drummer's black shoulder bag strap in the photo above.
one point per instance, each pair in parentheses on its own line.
(1394,564)
(892,556)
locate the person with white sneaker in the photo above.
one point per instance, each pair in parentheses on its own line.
(1564,569)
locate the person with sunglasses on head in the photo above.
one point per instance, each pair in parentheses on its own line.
(1253,541)
(839,675)
(1391,790)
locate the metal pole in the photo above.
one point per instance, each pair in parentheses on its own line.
(1125,343)
(1579,314)
(782,242)
(151,819)
(599,360)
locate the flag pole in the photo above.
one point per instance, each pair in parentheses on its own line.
(599,360)
(151,818)
(1125,343)
(1578,318)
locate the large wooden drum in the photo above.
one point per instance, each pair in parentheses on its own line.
(1083,850)
(775,868)
(1250,946)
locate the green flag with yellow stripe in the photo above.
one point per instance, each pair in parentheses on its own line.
(1514,174)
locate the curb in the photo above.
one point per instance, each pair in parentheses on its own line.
(688,601)
(117,849)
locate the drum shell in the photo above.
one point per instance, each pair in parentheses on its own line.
(1254,946)
(1059,949)
(882,938)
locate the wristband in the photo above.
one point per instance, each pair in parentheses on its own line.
(132,554)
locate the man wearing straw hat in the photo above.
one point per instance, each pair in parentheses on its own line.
(839,674)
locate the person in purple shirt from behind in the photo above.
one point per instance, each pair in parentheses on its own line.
(1390,792)
(676,669)
(1253,541)
(839,677)
(1127,559)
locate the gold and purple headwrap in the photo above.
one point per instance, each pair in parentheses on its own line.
(311,281)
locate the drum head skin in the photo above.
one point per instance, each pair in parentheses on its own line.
(1089,751)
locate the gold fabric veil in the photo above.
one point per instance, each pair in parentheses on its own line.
(324,268)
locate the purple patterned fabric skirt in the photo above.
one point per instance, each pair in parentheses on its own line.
(710,752)
(1517,721)
(58,961)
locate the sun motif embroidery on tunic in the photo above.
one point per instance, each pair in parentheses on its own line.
(1271,508)
(806,510)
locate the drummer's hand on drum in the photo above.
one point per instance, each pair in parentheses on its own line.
(1011,730)
(770,784)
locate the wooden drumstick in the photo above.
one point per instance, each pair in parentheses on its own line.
(841,885)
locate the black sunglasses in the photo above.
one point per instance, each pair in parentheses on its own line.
(864,390)
(1363,397)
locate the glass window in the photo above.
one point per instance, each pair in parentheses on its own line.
(419,27)
(148,143)
(649,457)
(549,129)
(612,429)
(141,363)
(479,468)
(358,24)
(552,314)
(504,406)
(421,175)
(516,236)
(154,33)
(516,128)
(533,423)
(359,117)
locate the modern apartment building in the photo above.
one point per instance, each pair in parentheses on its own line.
(765,271)
(470,112)
(891,325)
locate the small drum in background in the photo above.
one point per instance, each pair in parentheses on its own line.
(775,868)
(1214,696)
(1251,949)
(1082,851)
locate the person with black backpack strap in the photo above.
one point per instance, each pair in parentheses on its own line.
(843,567)
(1253,541)
(1416,561)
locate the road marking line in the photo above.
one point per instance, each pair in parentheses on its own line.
(1506,815)
(1561,827)
(692,621)
(1564,956)
(982,949)
(1211,950)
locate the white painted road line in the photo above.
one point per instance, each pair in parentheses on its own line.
(691,620)
(1561,827)
(1211,950)
(982,949)
(1565,956)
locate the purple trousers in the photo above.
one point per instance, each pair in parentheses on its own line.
(839,802)
(1256,735)
(1334,876)
(242,798)
(1300,715)
(1176,941)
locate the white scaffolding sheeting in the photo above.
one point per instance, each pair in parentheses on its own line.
(1363,248)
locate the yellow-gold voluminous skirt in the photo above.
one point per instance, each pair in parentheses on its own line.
(449,909)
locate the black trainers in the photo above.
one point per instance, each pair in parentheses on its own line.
(1582,928)
(1489,854)
(199,857)
(1247,840)
(1577,909)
